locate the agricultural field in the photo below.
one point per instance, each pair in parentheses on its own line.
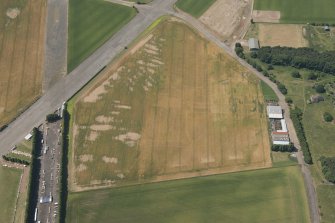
(92,23)
(22,26)
(228,18)
(159,113)
(289,35)
(299,11)
(9,179)
(261,196)
(194,7)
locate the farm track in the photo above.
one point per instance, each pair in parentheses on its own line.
(63,89)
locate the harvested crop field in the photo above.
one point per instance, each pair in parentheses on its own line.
(22,35)
(177,107)
(228,18)
(261,196)
(281,35)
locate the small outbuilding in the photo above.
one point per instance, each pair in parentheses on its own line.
(253,44)
(28,137)
(326,28)
(275,112)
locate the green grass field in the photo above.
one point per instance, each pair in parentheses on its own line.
(92,23)
(9,179)
(269,94)
(300,11)
(269,195)
(194,7)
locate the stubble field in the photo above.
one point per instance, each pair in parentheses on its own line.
(175,107)
(22,25)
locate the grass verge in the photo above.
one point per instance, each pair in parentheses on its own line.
(9,178)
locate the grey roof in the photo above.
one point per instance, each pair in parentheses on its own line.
(274,110)
(253,43)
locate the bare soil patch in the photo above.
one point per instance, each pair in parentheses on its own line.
(12,13)
(228,17)
(266,16)
(281,35)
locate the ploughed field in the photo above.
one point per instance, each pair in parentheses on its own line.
(22,26)
(261,196)
(175,106)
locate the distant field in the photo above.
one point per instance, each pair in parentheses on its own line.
(300,11)
(261,196)
(194,7)
(92,23)
(160,114)
(22,25)
(9,179)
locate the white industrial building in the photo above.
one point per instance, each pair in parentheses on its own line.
(275,112)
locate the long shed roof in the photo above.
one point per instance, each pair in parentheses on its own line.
(253,43)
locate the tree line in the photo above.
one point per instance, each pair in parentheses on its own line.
(283,148)
(296,116)
(15,160)
(298,57)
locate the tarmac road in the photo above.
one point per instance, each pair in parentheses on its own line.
(67,86)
